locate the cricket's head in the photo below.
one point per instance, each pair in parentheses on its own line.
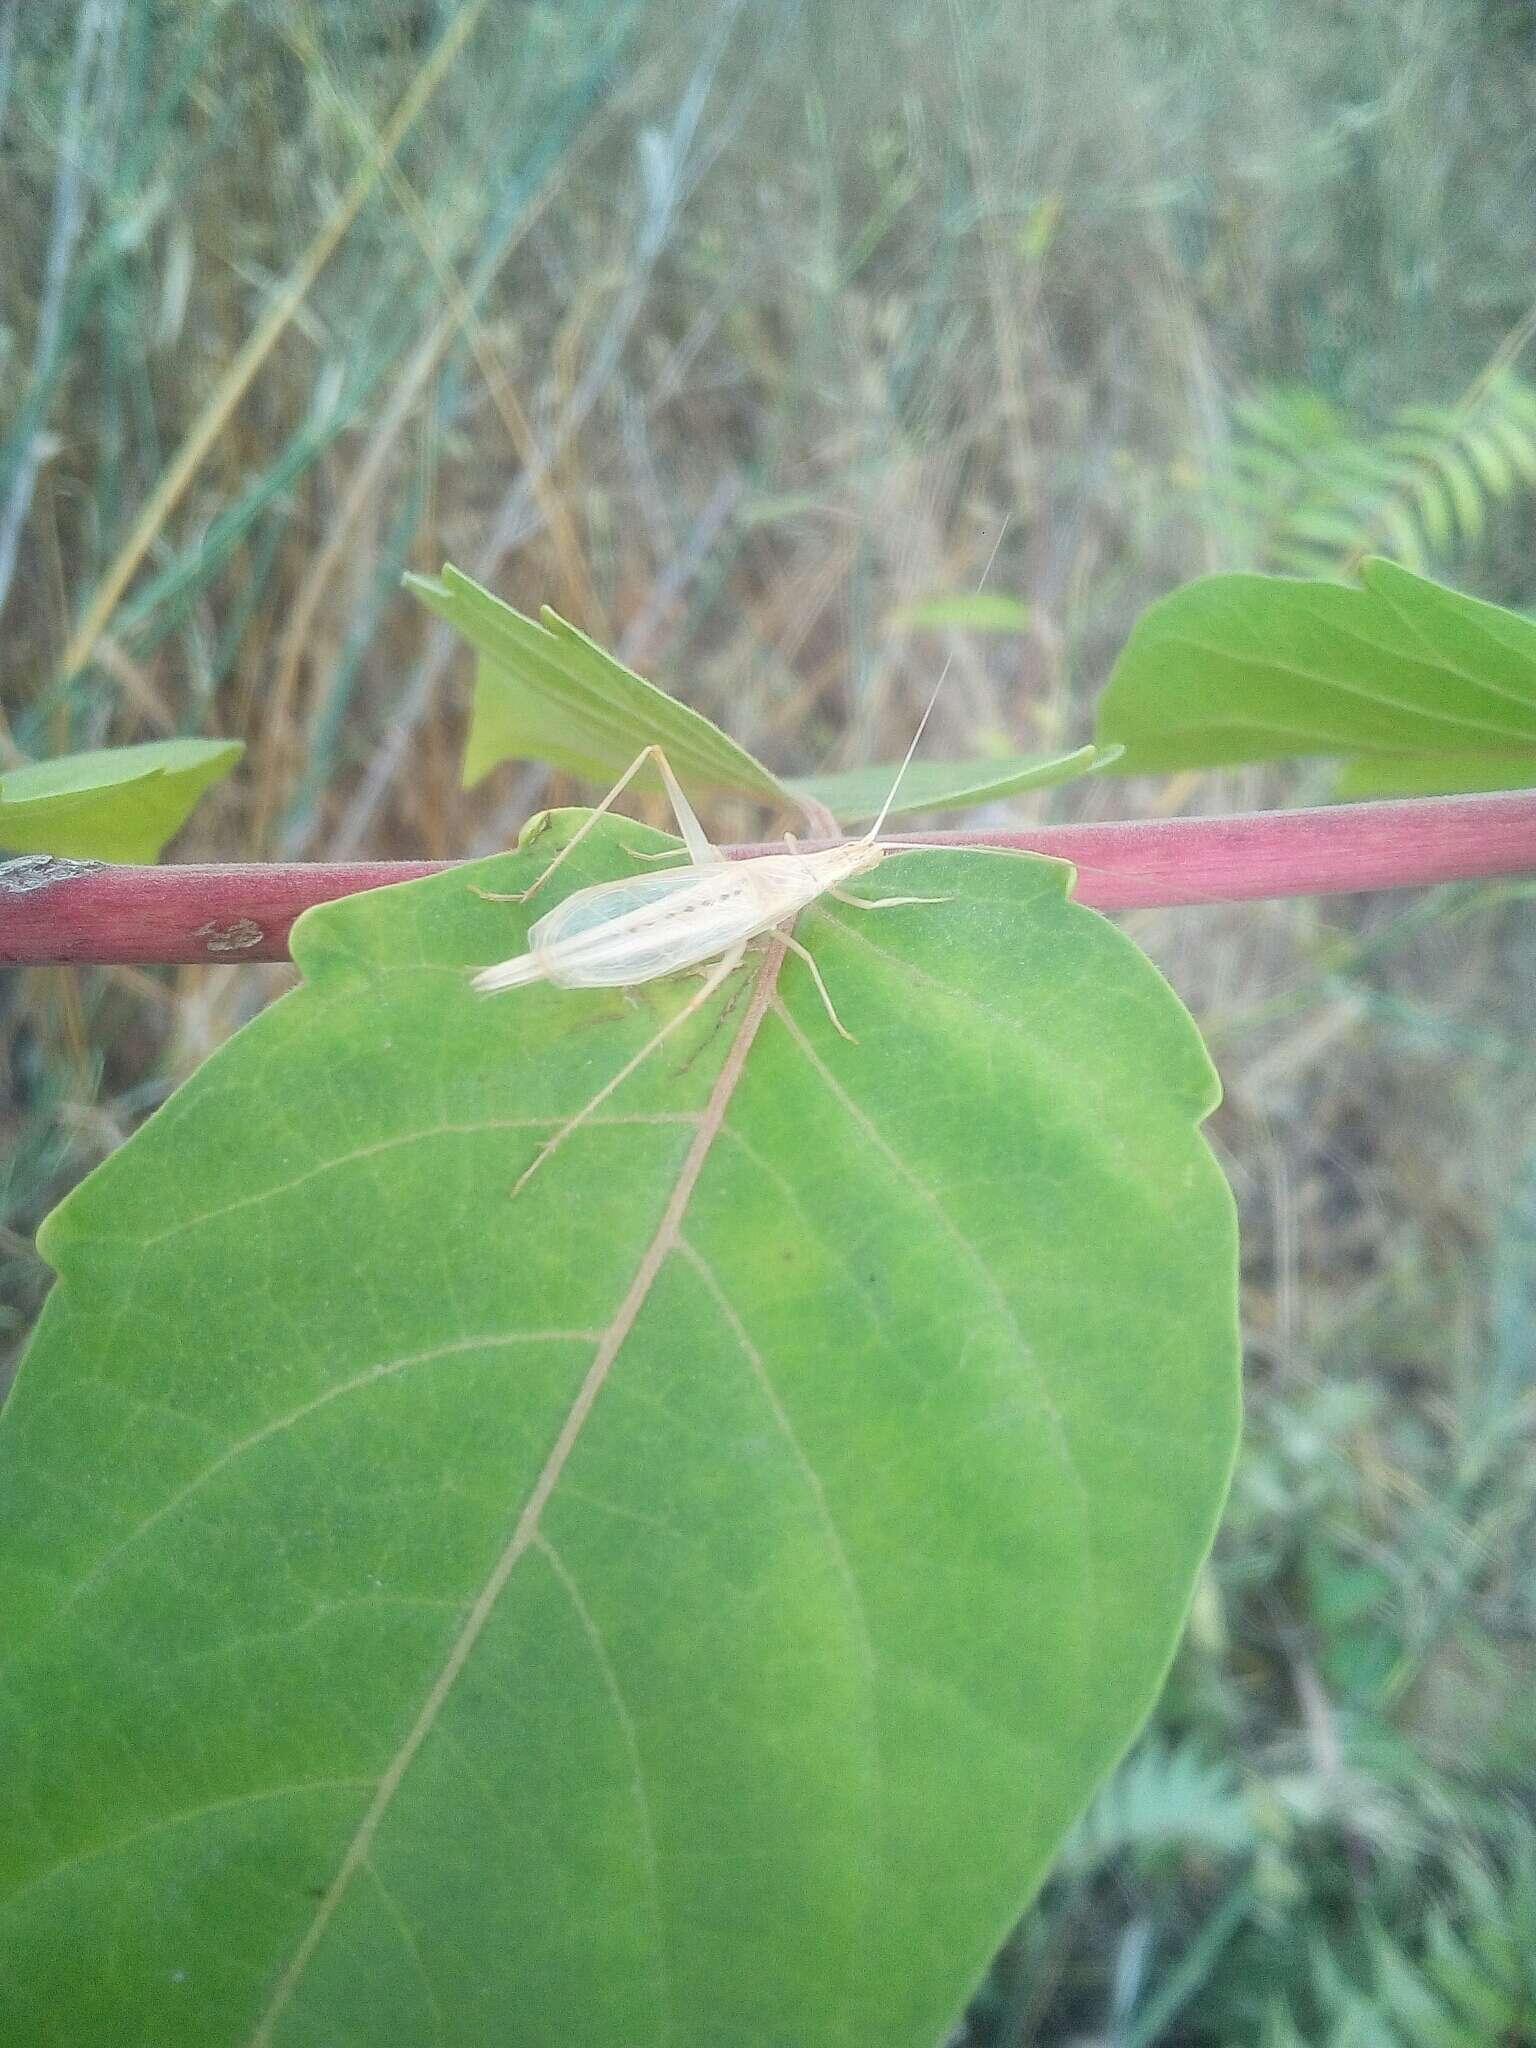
(834,864)
(863,854)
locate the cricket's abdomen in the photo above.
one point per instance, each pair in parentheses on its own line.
(620,934)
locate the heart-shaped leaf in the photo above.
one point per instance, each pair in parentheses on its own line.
(545,692)
(114,803)
(944,785)
(687,1603)
(1259,668)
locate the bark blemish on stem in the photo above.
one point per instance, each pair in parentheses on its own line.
(30,872)
(239,936)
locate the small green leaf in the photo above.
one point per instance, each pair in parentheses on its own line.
(114,803)
(1434,508)
(1040,225)
(979,611)
(1518,443)
(545,692)
(1397,527)
(1261,668)
(1461,482)
(858,793)
(1491,461)
(1332,532)
(686,1604)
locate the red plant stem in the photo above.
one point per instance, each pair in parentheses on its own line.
(72,912)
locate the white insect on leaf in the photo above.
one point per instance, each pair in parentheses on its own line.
(642,927)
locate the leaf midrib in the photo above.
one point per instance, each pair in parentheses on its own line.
(1278,665)
(525,1532)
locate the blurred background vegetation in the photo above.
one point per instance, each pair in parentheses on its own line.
(731,330)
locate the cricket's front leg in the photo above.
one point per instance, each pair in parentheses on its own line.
(884,902)
(694,836)
(794,945)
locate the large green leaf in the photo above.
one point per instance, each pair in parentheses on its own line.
(1375,775)
(1258,668)
(686,1604)
(943,785)
(545,692)
(115,803)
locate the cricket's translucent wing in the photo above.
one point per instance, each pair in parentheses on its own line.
(619,934)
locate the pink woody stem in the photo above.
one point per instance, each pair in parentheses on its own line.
(75,912)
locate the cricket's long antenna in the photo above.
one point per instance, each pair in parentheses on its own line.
(922,723)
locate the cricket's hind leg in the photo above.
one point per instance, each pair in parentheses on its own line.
(718,974)
(695,838)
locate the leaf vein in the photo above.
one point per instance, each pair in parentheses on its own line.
(287,1420)
(527,1524)
(1368,693)
(412,1949)
(172,1820)
(644,1820)
(392,1144)
(837,1549)
(876,1137)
